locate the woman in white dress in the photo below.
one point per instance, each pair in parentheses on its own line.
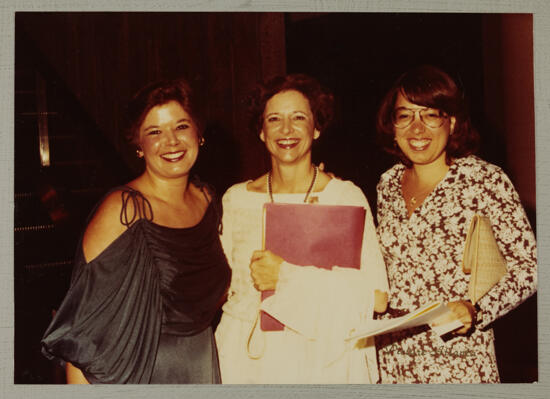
(321,305)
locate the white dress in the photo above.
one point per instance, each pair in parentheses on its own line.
(321,305)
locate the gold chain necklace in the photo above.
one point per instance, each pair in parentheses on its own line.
(424,193)
(270,190)
(414,199)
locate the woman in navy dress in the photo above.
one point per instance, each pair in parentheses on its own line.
(149,273)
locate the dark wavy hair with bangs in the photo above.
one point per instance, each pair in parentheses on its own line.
(321,100)
(430,87)
(159,93)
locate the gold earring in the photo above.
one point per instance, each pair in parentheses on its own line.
(139,153)
(201,141)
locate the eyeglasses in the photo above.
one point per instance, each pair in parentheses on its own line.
(404,117)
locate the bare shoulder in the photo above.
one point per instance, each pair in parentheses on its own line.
(104,227)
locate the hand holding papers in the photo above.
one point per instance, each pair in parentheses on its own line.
(447,326)
(425,315)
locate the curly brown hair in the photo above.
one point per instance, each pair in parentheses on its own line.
(430,87)
(321,100)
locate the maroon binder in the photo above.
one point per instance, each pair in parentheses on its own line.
(312,234)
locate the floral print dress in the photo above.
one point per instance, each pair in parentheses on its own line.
(423,256)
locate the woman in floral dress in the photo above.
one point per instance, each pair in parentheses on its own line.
(425,205)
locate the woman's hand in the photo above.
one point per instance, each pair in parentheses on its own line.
(460,310)
(264,269)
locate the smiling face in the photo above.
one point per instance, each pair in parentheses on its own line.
(423,145)
(289,127)
(169,140)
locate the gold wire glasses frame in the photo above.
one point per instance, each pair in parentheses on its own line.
(403,117)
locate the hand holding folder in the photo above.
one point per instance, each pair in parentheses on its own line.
(312,235)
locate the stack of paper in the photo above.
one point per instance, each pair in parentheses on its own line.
(425,315)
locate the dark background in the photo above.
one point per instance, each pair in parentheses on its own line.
(74,72)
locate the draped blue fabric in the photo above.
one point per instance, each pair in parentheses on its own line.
(151,281)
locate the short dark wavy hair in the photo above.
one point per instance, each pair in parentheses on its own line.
(159,93)
(321,100)
(430,87)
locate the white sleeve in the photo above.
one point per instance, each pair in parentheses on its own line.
(227,224)
(372,260)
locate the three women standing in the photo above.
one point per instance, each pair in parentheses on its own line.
(150,272)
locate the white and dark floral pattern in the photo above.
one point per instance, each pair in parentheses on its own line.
(423,256)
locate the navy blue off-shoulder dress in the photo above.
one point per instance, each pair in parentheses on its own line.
(141,311)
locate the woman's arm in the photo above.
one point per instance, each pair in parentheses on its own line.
(103,229)
(74,375)
(516,241)
(226,238)
(105,226)
(373,263)
(93,319)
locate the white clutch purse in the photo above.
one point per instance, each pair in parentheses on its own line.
(482,258)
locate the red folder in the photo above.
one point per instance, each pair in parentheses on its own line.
(312,234)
